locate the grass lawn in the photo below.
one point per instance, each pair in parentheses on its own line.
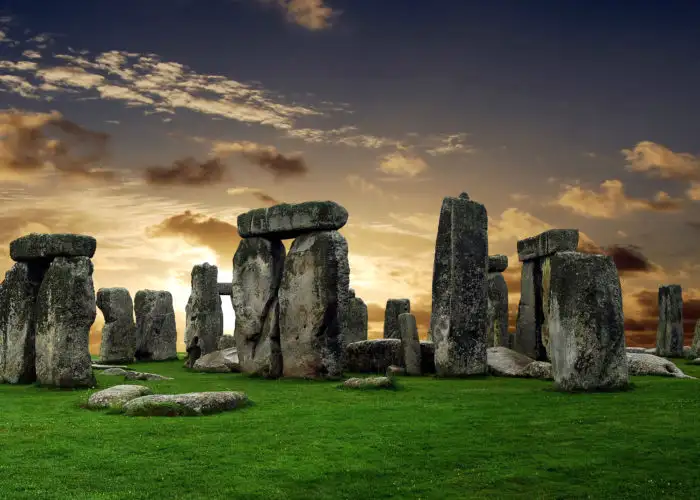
(438,439)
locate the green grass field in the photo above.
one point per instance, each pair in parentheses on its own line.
(438,439)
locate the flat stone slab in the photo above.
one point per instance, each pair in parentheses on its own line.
(648,364)
(497,263)
(41,246)
(291,220)
(116,372)
(117,396)
(369,383)
(107,367)
(144,376)
(548,243)
(224,288)
(185,405)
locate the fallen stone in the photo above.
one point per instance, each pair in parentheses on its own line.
(118,343)
(116,396)
(650,351)
(107,367)
(204,317)
(190,404)
(225,361)
(458,320)
(585,322)
(669,334)
(395,370)
(393,308)
(226,342)
(257,271)
(144,376)
(377,355)
(648,364)
(116,372)
(497,263)
(539,369)
(504,362)
(497,310)
(637,349)
(410,343)
(47,246)
(224,288)
(356,321)
(313,300)
(156,333)
(286,221)
(548,243)
(65,312)
(369,383)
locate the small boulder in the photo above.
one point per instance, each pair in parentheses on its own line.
(395,370)
(144,376)
(369,383)
(117,396)
(185,405)
(116,372)
(504,362)
(695,361)
(648,364)
(224,361)
(538,369)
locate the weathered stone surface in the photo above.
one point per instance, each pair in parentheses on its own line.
(504,362)
(539,369)
(46,246)
(497,263)
(65,311)
(116,396)
(190,404)
(291,220)
(369,383)
(650,351)
(224,288)
(257,271)
(375,356)
(118,343)
(395,370)
(218,362)
(226,342)
(648,364)
(497,310)
(356,322)
(156,333)
(107,367)
(669,334)
(458,321)
(531,329)
(18,296)
(639,350)
(204,317)
(694,351)
(313,301)
(115,372)
(548,243)
(393,308)
(410,343)
(587,337)
(129,375)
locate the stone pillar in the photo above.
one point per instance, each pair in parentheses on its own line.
(497,302)
(356,323)
(669,334)
(118,343)
(156,332)
(394,307)
(410,344)
(458,321)
(204,317)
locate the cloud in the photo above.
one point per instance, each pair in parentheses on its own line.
(313,15)
(267,157)
(258,193)
(402,164)
(187,172)
(656,159)
(345,136)
(628,259)
(611,201)
(365,186)
(450,144)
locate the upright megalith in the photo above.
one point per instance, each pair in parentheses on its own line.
(531,322)
(356,322)
(394,307)
(118,343)
(257,271)
(669,334)
(65,311)
(204,317)
(313,298)
(291,220)
(497,302)
(458,320)
(585,323)
(156,332)
(410,343)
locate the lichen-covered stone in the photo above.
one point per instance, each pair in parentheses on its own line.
(497,310)
(188,405)
(458,321)
(224,288)
(257,272)
(393,308)
(225,361)
(356,321)
(669,334)
(130,375)
(116,396)
(548,243)
(156,332)
(649,364)
(531,328)
(504,362)
(47,246)
(369,383)
(18,296)
(226,342)
(410,343)
(375,356)
(313,300)
(118,343)
(497,263)
(538,369)
(204,317)
(291,220)
(586,332)
(115,372)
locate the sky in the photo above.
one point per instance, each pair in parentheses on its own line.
(152,125)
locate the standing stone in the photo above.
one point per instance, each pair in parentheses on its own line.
(669,334)
(525,341)
(695,346)
(156,332)
(356,322)
(497,311)
(458,321)
(119,332)
(497,263)
(313,298)
(65,311)
(410,343)
(204,317)
(394,307)
(18,296)
(587,337)
(257,272)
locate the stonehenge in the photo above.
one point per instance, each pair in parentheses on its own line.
(497,303)
(669,334)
